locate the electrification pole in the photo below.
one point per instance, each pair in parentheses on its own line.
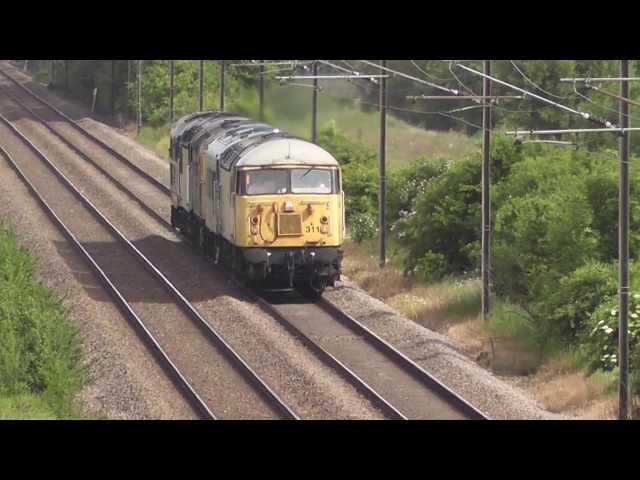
(222,67)
(486,202)
(314,104)
(128,88)
(172,73)
(382,197)
(139,95)
(623,247)
(201,102)
(261,90)
(113,86)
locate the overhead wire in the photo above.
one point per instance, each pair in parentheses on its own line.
(585,115)
(597,104)
(426,74)
(460,81)
(401,109)
(410,77)
(538,87)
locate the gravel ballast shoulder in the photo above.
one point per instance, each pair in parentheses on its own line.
(438,355)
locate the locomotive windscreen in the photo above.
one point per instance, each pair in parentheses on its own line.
(280,181)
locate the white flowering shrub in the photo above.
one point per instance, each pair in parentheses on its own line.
(600,344)
(362,227)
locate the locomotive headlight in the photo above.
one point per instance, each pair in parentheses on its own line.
(288,206)
(324,219)
(254,220)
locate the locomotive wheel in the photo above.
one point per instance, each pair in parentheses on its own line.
(201,241)
(314,288)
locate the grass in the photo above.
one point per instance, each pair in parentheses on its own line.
(40,351)
(405,142)
(451,300)
(156,139)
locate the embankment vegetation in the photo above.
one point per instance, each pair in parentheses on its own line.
(40,351)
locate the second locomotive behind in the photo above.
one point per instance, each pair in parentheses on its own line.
(265,203)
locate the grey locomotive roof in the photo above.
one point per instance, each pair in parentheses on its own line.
(286,151)
(233,139)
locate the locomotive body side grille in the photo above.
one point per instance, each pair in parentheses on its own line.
(289,224)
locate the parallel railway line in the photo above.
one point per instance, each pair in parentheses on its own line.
(252,387)
(355,352)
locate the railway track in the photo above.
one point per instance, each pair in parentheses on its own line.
(361,357)
(248,388)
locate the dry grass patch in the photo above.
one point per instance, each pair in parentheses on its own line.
(472,337)
(562,388)
(434,306)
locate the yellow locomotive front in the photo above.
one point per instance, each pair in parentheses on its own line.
(290,223)
(257,199)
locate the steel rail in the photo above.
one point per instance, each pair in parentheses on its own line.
(402,360)
(146,336)
(398,357)
(161,186)
(354,379)
(86,157)
(191,311)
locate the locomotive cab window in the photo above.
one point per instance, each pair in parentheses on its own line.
(280,181)
(311,180)
(263,182)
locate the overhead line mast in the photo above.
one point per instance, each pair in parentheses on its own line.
(623,249)
(486,199)
(382,196)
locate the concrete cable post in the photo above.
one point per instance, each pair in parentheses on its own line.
(382,200)
(172,80)
(623,248)
(139,95)
(261,90)
(314,105)
(222,67)
(113,87)
(486,199)
(201,92)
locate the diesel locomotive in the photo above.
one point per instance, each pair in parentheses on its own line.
(257,199)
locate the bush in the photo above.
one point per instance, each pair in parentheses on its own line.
(431,267)
(578,294)
(543,227)
(600,339)
(359,173)
(405,184)
(511,320)
(40,352)
(446,218)
(362,227)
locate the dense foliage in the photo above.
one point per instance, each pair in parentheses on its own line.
(40,352)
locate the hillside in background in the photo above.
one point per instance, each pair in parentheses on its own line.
(291,109)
